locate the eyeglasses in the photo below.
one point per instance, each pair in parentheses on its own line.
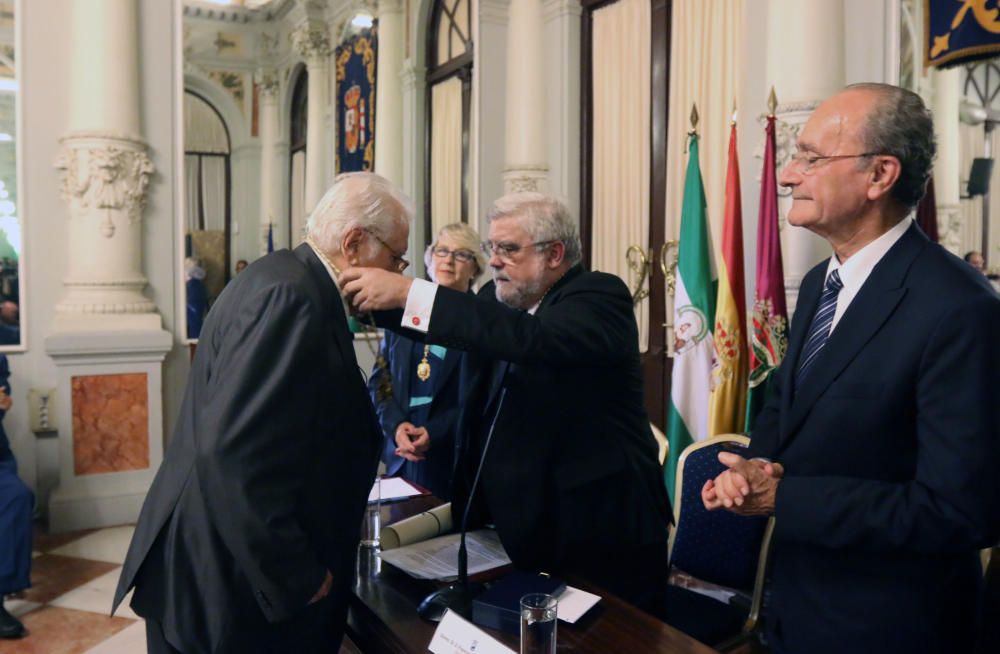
(465,256)
(807,161)
(507,251)
(401,263)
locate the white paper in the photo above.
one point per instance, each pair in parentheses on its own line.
(574,603)
(393,488)
(457,636)
(437,558)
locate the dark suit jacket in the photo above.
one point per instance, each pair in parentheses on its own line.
(264,483)
(571,480)
(891,448)
(442,417)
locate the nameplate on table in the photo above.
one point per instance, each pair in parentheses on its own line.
(573,603)
(455,635)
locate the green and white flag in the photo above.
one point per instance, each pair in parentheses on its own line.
(694,318)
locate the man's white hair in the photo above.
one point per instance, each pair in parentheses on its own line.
(358,200)
(544,217)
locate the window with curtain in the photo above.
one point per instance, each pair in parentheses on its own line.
(449,93)
(207,183)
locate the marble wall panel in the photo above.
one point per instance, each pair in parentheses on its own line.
(110,423)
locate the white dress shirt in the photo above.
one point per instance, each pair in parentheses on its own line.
(855,272)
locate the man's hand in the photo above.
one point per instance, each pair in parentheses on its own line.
(324,590)
(747,488)
(5,401)
(412,441)
(374,289)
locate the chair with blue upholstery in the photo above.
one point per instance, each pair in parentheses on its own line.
(713,549)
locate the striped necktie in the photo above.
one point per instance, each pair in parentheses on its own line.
(819,331)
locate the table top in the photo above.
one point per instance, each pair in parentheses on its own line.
(383,616)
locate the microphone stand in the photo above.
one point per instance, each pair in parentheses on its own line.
(458,595)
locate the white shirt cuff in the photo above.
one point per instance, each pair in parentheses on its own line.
(419,302)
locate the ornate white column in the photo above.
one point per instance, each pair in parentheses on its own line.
(945,108)
(270,212)
(105,173)
(313,44)
(413,84)
(389,99)
(562,43)
(525,167)
(107,341)
(805,66)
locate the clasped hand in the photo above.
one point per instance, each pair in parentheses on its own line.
(746,488)
(374,289)
(412,441)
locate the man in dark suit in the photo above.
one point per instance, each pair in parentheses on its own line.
(247,539)
(571,478)
(881,441)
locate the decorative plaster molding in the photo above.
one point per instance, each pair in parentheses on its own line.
(311,42)
(553,9)
(110,175)
(521,179)
(387,7)
(949,219)
(494,12)
(410,76)
(268,45)
(268,82)
(806,106)
(518,168)
(786,136)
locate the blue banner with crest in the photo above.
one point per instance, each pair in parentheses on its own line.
(355,101)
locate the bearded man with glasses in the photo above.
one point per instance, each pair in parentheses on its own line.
(571,478)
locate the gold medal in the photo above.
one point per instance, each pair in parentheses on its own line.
(424,367)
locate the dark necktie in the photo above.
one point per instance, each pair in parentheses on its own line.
(819,331)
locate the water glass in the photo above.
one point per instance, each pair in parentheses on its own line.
(538,624)
(372,525)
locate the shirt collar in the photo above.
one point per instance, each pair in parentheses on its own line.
(855,271)
(325,261)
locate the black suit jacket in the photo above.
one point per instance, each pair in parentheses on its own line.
(571,479)
(264,483)
(891,448)
(442,416)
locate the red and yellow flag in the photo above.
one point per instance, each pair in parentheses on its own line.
(727,405)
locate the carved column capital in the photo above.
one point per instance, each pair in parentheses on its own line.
(268,82)
(104,171)
(525,178)
(311,42)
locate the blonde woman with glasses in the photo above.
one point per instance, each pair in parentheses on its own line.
(419,420)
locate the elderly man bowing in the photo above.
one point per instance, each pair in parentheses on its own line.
(571,477)
(247,539)
(883,427)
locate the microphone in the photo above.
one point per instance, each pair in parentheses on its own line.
(458,595)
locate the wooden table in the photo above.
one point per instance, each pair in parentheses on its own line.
(383,614)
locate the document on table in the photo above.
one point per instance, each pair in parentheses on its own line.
(437,558)
(393,488)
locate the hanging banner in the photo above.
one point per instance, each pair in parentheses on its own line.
(960,31)
(355,93)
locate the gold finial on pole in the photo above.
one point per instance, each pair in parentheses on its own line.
(772,102)
(694,118)
(732,120)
